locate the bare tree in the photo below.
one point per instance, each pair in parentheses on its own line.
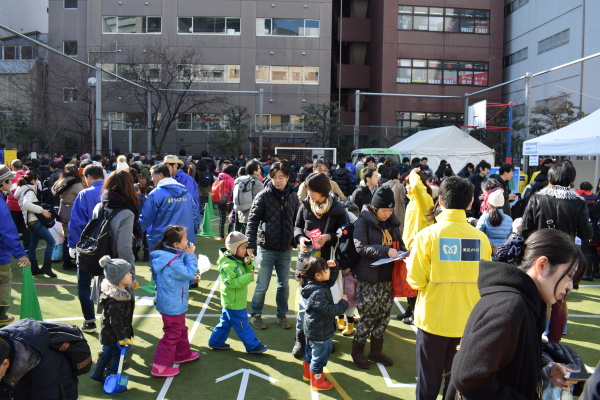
(322,121)
(164,67)
(234,132)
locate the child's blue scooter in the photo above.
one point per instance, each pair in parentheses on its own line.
(117,383)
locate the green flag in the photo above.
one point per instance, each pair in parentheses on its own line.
(30,305)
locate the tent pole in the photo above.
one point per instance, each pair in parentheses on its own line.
(596,172)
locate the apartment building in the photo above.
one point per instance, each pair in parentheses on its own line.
(281,47)
(416,47)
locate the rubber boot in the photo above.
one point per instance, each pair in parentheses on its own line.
(306,375)
(5,319)
(35,269)
(67,260)
(47,269)
(358,355)
(376,354)
(349,329)
(318,382)
(98,372)
(299,344)
(341,324)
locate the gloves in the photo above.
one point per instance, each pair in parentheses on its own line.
(126,342)
(72,252)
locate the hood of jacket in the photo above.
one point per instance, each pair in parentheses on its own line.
(311,286)
(175,188)
(160,258)
(225,176)
(558,192)
(341,172)
(22,189)
(115,292)
(31,342)
(496,277)
(64,184)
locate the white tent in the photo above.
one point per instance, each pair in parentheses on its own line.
(581,138)
(446,143)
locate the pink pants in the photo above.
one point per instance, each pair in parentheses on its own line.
(174,345)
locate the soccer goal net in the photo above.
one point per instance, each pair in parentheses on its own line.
(299,154)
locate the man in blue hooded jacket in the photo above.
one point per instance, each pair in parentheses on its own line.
(175,166)
(169,204)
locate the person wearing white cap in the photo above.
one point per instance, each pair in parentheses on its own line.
(494,223)
(175,166)
(11,246)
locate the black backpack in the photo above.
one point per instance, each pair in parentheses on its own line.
(69,340)
(346,255)
(95,242)
(206,179)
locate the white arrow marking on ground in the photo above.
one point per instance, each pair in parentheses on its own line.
(388,380)
(246,373)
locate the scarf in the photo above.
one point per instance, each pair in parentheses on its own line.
(320,209)
(280,193)
(386,236)
(118,201)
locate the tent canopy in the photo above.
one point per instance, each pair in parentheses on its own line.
(581,138)
(446,143)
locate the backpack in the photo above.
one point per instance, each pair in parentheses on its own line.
(206,179)
(69,340)
(96,242)
(218,193)
(346,255)
(242,195)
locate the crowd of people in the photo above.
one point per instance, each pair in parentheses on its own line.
(487,270)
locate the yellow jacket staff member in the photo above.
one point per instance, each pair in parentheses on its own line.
(420,203)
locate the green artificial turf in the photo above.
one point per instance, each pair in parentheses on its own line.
(198,379)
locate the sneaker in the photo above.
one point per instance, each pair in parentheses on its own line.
(408,321)
(88,327)
(261,348)
(193,357)
(162,371)
(224,346)
(283,323)
(256,322)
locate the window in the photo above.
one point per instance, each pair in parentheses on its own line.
(27,53)
(437,72)
(408,122)
(438,19)
(144,72)
(131,25)
(513,6)
(70,4)
(285,74)
(9,52)
(70,47)
(122,120)
(515,57)
(553,41)
(287,27)
(208,73)
(202,122)
(209,25)
(69,95)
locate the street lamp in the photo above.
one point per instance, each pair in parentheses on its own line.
(92,84)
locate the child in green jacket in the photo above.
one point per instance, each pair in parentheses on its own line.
(236,270)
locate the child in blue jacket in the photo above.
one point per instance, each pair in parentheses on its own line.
(174,265)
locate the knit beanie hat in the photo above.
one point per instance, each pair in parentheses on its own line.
(496,198)
(115,269)
(235,240)
(5,173)
(383,198)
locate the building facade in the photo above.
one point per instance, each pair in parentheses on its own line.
(281,47)
(542,35)
(417,47)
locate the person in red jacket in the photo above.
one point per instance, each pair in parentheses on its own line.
(13,204)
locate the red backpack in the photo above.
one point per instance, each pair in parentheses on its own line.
(219,193)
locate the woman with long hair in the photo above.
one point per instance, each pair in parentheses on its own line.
(67,187)
(26,194)
(500,353)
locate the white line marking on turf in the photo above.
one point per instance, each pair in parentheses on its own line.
(245,375)
(314,395)
(388,380)
(414,328)
(583,316)
(168,382)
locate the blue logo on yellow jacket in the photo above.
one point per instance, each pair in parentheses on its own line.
(452,249)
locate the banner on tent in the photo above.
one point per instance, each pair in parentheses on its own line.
(531,148)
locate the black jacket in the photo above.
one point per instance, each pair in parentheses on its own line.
(565,208)
(117,314)
(306,221)
(476,180)
(271,220)
(36,372)
(362,196)
(342,177)
(319,321)
(368,237)
(501,349)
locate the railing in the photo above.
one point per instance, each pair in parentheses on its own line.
(215,125)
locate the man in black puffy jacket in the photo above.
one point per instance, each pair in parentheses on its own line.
(343,178)
(270,232)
